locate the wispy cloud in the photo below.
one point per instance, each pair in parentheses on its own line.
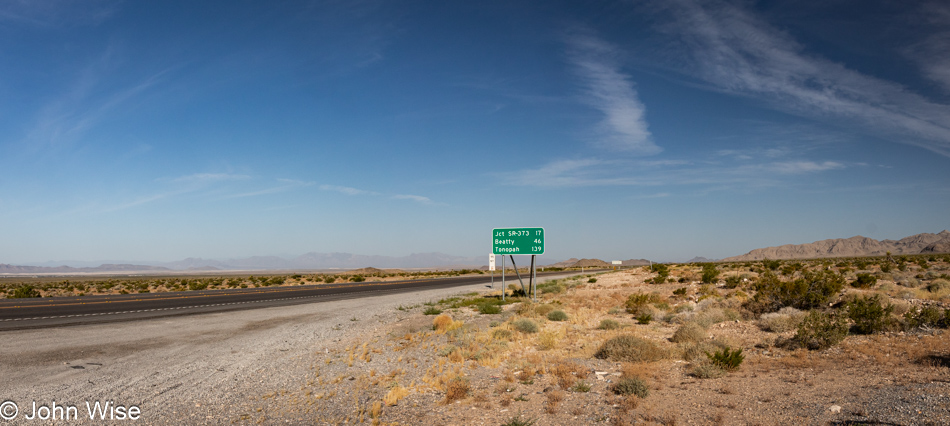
(758,171)
(933,53)
(287,185)
(52,13)
(209,177)
(346,190)
(416,198)
(738,52)
(612,92)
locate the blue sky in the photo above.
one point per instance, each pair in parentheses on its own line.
(663,130)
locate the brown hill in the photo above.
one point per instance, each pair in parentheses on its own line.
(591,263)
(854,246)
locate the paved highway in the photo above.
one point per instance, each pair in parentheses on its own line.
(16,314)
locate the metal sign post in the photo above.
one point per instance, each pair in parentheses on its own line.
(491,267)
(504,288)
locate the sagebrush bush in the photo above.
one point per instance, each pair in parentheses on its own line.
(608,324)
(501,334)
(630,349)
(543,309)
(704,369)
(786,319)
(870,314)
(938,285)
(525,325)
(819,330)
(631,386)
(557,315)
(689,332)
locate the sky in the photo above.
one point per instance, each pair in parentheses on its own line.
(664,130)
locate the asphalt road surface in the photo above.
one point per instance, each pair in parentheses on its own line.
(18,314)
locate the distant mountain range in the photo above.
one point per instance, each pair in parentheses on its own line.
(854,246)
(303,262)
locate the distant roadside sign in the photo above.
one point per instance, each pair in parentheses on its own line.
(491,262)
(517,241)
(617,262)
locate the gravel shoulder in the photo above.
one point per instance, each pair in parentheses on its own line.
(196,369)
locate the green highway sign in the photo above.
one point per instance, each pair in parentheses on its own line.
(517,241)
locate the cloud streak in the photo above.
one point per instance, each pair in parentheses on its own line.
(737,52)
(611,92)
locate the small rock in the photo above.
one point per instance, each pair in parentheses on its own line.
(835,409)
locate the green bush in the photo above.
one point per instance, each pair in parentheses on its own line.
(864,281)
(631,386)
(771,264)
(680,291)
(710,273)
(557,315)
(608,324)
(928,316)
(629,349)
(489,309)
(432,310)
(811,290)
(733,281)
(870,315)
(726,359)
(662,271)
(24,292)
(592,280)
(820,331)
(525,325)
(637,301)
(644,318)
(357,279)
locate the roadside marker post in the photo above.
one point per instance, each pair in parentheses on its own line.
(522,241)
(491,267)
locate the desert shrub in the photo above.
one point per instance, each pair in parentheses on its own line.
(662,273)
(395,394)
(630,349)
(636,302)
(928,316)
(886,267)
(543,309)
(938,285)
(870,314)
(644,318)
(786,319)
(581,387)
(518,421)
(525,325)
(864,281)
(547,340)
(819,330)
(592,280)
(689,332)
(24,292)
(197,285)
(710,316)
(501,334)
(706,370)
(696,351)
(608,324)
(710,273)
(357,279)
(557,315)
(680,291)
(442,322)
(489,309)
(432,310)
(631,386)
(733,281)
(771,264)
(456,389)
(726,359)
(811,290)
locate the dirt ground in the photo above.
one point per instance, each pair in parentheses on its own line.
(470,373)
